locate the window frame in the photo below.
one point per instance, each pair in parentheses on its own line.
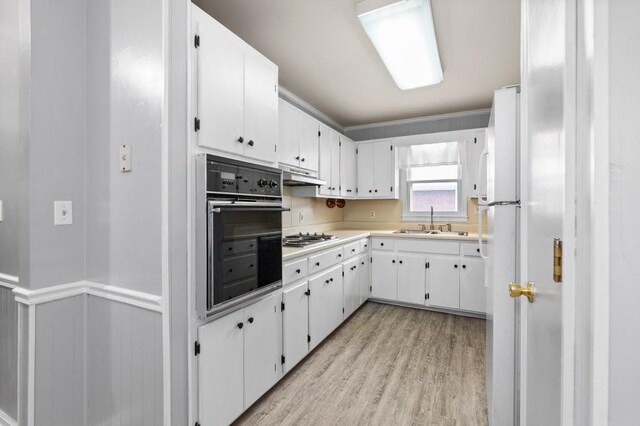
(405,197)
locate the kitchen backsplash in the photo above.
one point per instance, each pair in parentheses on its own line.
(309,214)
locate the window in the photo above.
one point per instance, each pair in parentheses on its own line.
(432,177)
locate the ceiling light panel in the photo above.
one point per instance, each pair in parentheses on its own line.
(404,36)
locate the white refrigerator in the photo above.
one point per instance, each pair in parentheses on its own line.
(501,201)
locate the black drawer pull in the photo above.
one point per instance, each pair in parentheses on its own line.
(331,279)
(455,266)
(317,263)
(381,244)
(464,266)
(250,143)
(250,320)
(240,325)
(393,261)
(241,139)
(401,261)
(298,271)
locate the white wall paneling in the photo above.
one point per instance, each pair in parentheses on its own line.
(8,355)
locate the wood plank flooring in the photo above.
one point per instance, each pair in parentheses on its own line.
(386,365)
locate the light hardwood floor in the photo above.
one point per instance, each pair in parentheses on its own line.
(386,365)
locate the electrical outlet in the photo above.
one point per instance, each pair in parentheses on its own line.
(125,158)
(372,214)
(300,217)
(62,213)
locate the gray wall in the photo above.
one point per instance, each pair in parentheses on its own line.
(124,364)
(8,353)
(624,92)
(124,105)
(10,152)
(434,124)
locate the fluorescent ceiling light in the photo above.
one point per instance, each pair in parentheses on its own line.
(404,36)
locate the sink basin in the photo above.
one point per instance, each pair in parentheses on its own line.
(427,232)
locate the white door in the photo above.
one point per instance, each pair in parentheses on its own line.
(260,110)
(324,171)
(220,370)
(543,118)
(347,167)
(365,170)
(288,134)
(365,278)
(309,127)
(351,286)
(473,294)
(335,163)
(325,304)
(262,347)
(412,278)
(384,276)
(444,281)
(383,170)
(220,87)
(295,324)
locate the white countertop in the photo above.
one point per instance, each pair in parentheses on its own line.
(349,235)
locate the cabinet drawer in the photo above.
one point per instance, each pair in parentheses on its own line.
(294,270)
(324,260)
(351,249)
(364,245)
(382,244)
(471,249)
(428,246)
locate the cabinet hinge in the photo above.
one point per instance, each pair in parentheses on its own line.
(196,348)
(428,296)
(275,88)
(196,124)
(356,190)
(308,292)
(339,188)
(475,140)
(370,288)
(371,260)
(281,306)
(343,310)
(391,147)
(356,150)
(308,338)
(343,273)
(391,188)
(282,359)
(196,41)
(427,265)
(275,148)
(197,424)
(319,133)
(475,186)
(339,143)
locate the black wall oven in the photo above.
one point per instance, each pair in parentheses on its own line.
(239,233)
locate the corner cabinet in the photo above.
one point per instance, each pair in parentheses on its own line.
(377,172)
(235,92)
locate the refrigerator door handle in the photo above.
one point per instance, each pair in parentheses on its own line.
(484,257)
(504,203)
(482,201)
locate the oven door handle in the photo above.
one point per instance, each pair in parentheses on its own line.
(251,209)
(243,204)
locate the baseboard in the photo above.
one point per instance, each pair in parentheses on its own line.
(430,308)
(6,420)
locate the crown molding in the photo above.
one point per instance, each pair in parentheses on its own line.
(300,103)
(9,281)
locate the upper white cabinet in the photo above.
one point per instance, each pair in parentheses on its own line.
(298,138)
(329,161)
(474,149)
(235,92)
(348,175)
(377,174)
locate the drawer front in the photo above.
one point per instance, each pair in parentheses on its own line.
(428,246)
(231,248)
(295,270)
(364,245)
(235,268)
(325,260)
(382,243)
(471,249)
(352,249)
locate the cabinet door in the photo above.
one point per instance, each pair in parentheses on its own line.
(262,347)
(325,304)
(347,167)
(384,276)
(220,87)
(260,110)
(412,278)
(351,287)
(288,134)
(473,295)
(309,128)
(365,170)
(220,370)
(295,324)
(335,164)
(324,171)
(383,177)
(365,278)
(444,281)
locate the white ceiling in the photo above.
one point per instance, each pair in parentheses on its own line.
(326,58)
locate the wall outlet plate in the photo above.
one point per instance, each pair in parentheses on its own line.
(300,217)
(62,213)
(372,214)
(125,158)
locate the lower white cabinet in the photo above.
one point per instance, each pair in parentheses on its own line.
(295,323)
(365,278)
(351,286)
(444,281)
(239,355)
(473,296)
(325,304)
(412,273)
(384,276)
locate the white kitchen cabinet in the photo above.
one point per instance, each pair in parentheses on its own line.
(348,175)
(297,137)
(236,92)
(444,281)
(351,286)
(238,360)
(295,323)
(221,370)
(376,170)
(365,278)
(329,169)
(412,278)
(325,304)
(474,148)
(384,276)
(309,128)
(472,289)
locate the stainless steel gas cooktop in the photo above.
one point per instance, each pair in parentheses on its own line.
(303,240)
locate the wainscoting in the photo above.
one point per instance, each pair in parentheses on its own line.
(8,357)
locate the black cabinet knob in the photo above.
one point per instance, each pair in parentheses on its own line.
(393,261)
(308,292)
(369,191)
(326,282)
(464,266)
(317,263)
(376,190)
(381,244)
(250,320)
(251,143)
(455,266)
(331,279)
(401,261)
(298,157)
(241,139)
(353,250)
(298,271)
(240,325)
(302,159)
(340,255)
(478,250)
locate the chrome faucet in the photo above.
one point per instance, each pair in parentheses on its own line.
(422,226)
(432,227)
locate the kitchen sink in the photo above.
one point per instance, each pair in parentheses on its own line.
(428,232)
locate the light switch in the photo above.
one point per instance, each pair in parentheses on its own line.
(62,212)
(125,158)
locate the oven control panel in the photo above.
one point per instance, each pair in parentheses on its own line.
(237,177)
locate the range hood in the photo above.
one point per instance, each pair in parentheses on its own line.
(297,177)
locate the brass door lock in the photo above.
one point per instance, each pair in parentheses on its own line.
(516,290)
